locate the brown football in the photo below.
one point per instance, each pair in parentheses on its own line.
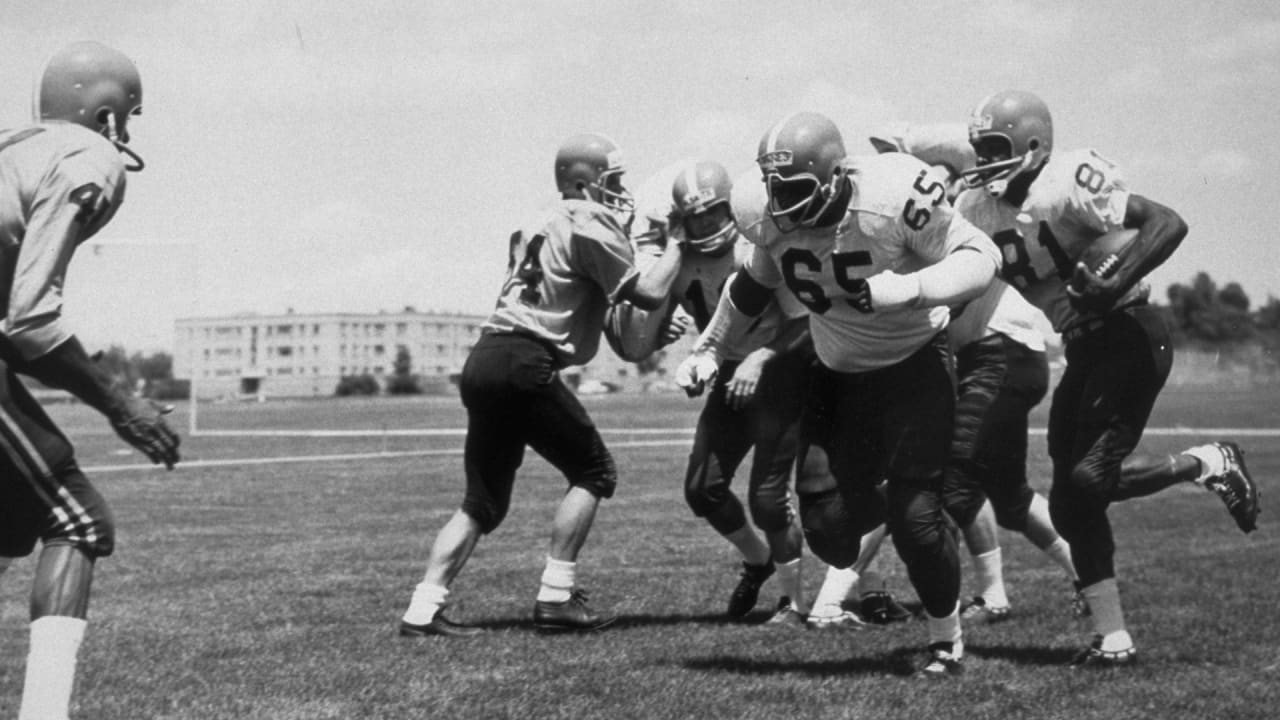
(1103,256)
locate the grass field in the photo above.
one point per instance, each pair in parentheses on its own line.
(271,589)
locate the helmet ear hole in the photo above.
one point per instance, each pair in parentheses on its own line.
(1033,144)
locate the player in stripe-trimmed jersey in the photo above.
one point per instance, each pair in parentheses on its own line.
(565,268)
(871,248)
(1045,210)
(1002,372)
(62,179)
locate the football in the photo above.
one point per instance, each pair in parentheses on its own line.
(1103,256)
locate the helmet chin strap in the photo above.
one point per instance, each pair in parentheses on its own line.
(114,136)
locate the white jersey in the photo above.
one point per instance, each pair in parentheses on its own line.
(1078,197)
(702,278)
(898,220)
(1000,309)
(59,184)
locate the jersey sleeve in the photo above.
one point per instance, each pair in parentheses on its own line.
(74,201)
(1094,191)
(602,251)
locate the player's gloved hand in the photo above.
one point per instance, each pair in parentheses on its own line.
(141,424)
(674,330)
(1089,292)
(888,290)
(746,379)
(695,372)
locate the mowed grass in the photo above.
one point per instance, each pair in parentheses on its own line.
(274,590)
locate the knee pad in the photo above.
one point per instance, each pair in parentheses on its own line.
(771,509)
(828,529)
(600,478)
(488,516)
(82,517)
(962,497)
(1013,507)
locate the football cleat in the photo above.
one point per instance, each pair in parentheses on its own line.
(978,612)
(880,608)
(846,620)
(1079,603)
(1236,488)
(943,662)
(439,625)
(572,615)
(747,593)
(786,616)
(1095,657)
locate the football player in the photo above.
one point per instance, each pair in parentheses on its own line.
(871,247)
(62,178)
(1002,372)
(754,399)
(1045,210)
(564,269)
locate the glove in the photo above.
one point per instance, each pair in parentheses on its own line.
(695,372)
(1089,292)
(888,290)
(141,424)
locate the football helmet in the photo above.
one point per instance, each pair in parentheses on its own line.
(90,84)
(1011,133)
(800,159)
(701,197)
(590,165)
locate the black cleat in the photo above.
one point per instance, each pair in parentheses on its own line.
(1236,487)
(880,608)
(439,625)
(1095,657)
(572,615)
(745,595)
(978,612)
(942,663)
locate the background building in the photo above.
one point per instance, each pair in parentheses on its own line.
(306,354)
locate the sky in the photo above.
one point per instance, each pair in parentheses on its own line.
(335,156)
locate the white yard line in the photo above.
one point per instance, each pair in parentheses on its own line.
(340,457)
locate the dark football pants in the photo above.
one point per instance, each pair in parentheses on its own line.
(895,424)
(1099,411)
(770,422)
(515,398)
(999,381)
(43,494)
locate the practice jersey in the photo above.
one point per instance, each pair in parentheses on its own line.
(1078,197)
(59,184)
(1000,309)
(564,269)
(702,278)
(898,219)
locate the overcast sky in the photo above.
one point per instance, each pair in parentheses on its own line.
(339,156)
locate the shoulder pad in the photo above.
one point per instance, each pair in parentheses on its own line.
(882,183)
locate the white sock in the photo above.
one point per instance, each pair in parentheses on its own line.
(557,580)
(835,589)
(427,600)
(1211,460)
(1060,551)
(51,667)
(990,570)
(1108,616)
(789,579)
(946,630)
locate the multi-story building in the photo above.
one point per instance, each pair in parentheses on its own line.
(306,354)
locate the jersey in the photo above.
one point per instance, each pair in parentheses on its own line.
(564,269)
(59,184)
(702,278)
(897,219)
(1077,197)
